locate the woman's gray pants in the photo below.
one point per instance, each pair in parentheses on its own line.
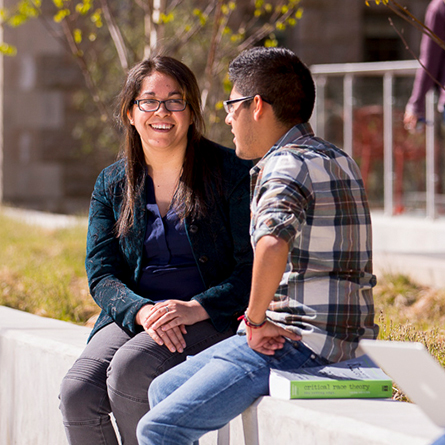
(113,375)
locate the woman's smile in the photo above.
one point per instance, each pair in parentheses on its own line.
(162,127)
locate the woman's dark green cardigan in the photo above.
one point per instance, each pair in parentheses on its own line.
(220,244)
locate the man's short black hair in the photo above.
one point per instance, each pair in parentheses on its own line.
(279,77)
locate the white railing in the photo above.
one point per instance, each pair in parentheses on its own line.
(388,71)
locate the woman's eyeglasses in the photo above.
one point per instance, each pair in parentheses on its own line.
(147,105)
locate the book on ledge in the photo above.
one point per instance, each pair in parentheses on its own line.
(355,378)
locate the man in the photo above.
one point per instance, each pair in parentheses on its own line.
(311,297)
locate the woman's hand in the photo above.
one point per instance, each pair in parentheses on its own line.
(174,313)
(143,313)
(165,322)
(269,338)
(172,338)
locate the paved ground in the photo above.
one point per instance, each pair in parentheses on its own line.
(43,219)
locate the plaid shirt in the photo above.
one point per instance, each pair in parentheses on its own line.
(310,193)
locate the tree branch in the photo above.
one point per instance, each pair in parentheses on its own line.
(180,41)
(405,14)
(115,35)
(92,87)
(265,30)
(414,55)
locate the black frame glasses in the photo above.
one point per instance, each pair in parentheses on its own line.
(228,104)
(171,105)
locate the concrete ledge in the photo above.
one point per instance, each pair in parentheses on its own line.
(408,234)
(330,422)
(36,352)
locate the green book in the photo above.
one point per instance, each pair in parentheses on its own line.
(355,378)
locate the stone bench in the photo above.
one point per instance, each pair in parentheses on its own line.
(36,352)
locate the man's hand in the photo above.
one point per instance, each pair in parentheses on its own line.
(269,338)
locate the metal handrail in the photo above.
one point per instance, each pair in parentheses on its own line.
(401,67)
(388,70)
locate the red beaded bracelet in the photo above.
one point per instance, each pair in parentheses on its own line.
(250,323)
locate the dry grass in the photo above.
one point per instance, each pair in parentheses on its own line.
(42,271)
(410,312)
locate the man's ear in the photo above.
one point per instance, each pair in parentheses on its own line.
(259,107)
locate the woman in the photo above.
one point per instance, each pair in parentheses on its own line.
(168,255)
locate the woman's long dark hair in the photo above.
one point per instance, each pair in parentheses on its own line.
(193,191)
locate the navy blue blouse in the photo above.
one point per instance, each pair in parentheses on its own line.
(169,269)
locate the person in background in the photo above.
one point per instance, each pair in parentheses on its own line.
(311,297)
(168,254)
(432,57)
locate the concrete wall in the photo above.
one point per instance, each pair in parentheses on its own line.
(43,167)
(410,246)
(408,234)
(348,31)
(36,352)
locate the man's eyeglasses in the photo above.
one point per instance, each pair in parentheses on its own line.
(228,104)
(154,104)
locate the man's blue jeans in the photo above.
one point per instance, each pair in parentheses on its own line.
(440,441)
(205,392)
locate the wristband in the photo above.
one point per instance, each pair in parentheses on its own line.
(250,323)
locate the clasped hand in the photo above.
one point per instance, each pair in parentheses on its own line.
(269,338)
(166,321)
